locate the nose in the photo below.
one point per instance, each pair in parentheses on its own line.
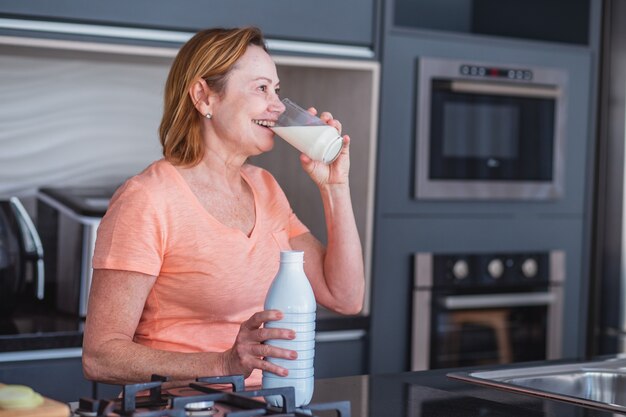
(276,105)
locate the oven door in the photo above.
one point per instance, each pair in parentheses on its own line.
(467,330)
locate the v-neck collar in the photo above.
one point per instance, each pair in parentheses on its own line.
(187,190)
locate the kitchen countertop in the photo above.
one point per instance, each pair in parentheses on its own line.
(38,327)
(432,394)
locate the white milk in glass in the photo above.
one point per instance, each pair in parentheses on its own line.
(321,143)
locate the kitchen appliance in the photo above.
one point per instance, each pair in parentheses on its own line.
(490,308)
(205,397)
(489,131)
(21,257)
(68,220)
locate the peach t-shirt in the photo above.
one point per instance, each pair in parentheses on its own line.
(210,277)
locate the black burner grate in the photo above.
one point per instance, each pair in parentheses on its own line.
(238,402)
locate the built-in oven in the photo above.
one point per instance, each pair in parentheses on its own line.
(488,308)
(489,131)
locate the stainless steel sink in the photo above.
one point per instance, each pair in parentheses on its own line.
(599,384)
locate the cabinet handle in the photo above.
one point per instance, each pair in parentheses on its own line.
(339,336)
(36,355)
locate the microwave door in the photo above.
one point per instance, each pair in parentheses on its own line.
(485,132)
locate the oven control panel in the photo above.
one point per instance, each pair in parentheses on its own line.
(490,269)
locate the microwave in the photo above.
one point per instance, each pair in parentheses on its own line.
(489,131)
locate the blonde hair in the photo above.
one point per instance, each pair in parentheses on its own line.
(210,54)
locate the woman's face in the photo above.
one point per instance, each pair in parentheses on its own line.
(248,105)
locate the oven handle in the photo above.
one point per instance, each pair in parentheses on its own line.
(462,86)
(459,302)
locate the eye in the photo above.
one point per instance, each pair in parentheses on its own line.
(277,91)
(263,88)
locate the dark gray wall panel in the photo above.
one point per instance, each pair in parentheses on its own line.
(344,21)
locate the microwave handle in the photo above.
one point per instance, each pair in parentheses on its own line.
(25,221)
(460,302)
(462,86)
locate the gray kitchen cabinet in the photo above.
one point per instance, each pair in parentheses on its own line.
(61,379)
(347,21)
(563,21)
(406,224)
(340,358)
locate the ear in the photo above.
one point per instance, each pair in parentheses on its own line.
(201,96)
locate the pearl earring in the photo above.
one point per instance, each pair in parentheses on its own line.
(208,116)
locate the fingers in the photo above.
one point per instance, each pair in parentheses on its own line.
(264,365)
(269,351)
(249,348)
(246,359)
(266,333)
(327,118)
(257,319)
(346,144)
(251,331)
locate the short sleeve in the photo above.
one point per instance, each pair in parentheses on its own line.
(296,227)
(130,235)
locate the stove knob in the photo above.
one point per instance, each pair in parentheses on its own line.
(530,268)
(460,269)
(495,268)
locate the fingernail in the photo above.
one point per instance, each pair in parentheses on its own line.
(293,355)
(284,372)
(292,335)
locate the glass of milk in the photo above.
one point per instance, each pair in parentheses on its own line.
(308,133)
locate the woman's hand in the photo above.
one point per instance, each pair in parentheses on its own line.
(248,351)
(335,173)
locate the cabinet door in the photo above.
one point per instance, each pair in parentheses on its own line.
(59,379)
(344,21)
(340,358)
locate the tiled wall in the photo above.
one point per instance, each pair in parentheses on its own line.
(76,118)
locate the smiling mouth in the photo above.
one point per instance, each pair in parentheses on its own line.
(265,123)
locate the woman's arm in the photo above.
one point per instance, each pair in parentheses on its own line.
(110,355)
(336,273)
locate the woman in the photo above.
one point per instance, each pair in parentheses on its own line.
(189,247)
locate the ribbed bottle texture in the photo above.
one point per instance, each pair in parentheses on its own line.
(292,294)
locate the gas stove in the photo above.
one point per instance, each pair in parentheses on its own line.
(203,398)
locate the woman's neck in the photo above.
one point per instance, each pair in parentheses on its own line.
(221,172)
